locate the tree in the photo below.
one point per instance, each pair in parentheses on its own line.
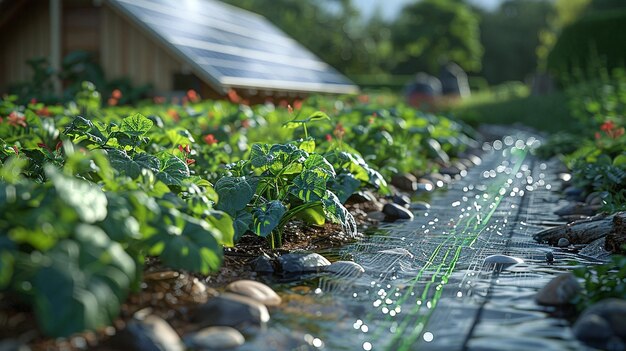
(510,36)
(431,32)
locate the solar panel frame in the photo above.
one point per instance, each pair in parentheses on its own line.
(230,55)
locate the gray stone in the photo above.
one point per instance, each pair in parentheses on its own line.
(147,333)
(214,338)
(376,216)
(450,170)
(361,197)
(345,269)
(559,291)
(592,329)
(395,211)
(563,242)
(424,184)
(301,262)
(13,345)
(263,264)
(613,311)
(256,291)
(595,199)
(406,182)
(401,200)
(420,206)
(231,310)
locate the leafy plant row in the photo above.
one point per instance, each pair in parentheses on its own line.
(87,193)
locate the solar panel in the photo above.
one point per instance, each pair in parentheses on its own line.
(231,47)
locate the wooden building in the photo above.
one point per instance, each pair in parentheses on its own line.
(172,44)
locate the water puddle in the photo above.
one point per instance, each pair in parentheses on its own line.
(426,285)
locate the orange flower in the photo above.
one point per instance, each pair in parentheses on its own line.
(210,139)
(16,119)
(297,104)
(192,95)
(44,112)
(174,114)
(116,94)
(112,101)
(233,96)
(364,99)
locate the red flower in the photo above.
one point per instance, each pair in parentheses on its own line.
(329,138)
(59,145)
(607,126)
(116,94)
(17,151)
(297,104)
(187,149)
(33,101)
(43,112)
(16,119)
(210,139)
(598,136)
(42,145)
(112,101)
(190,161)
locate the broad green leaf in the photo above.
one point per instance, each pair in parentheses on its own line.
(187,243)
(125,165)
(260,155)
(224,225)
(241,222)
(119,223)
(89,201)
(344,185)
(337,213)
(69,298)
(235,193)
(307,145)
(317,161)
(310,185)
(173,170)
(317,116)
(147,161)
(315,215)
(620,161)
(136,125)
(267,217)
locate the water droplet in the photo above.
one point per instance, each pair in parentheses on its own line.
(367,346)
(428,336)
(459,294)
(364,328)
(317,343)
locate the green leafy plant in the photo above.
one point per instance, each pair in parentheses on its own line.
(602,281)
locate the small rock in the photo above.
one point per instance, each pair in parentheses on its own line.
(13,345)
(466,163)
(613,311)
(420,206)
(450,170)
(395,211)
(161,275)
(147,333)
(263,264)
(214,338)
(231,310)
(563,242)
(345,269)
(424,184)
(592,329)
(559,291)
(406,182)
(301,262)
(595,199)
(361,197)
(256,291)
(573,193)
(376,216)
(549,257)
(401,200)
(500,262)
(440,179)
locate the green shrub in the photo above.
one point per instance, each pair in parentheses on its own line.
(594,39)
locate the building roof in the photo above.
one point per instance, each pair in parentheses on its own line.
(229,47)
